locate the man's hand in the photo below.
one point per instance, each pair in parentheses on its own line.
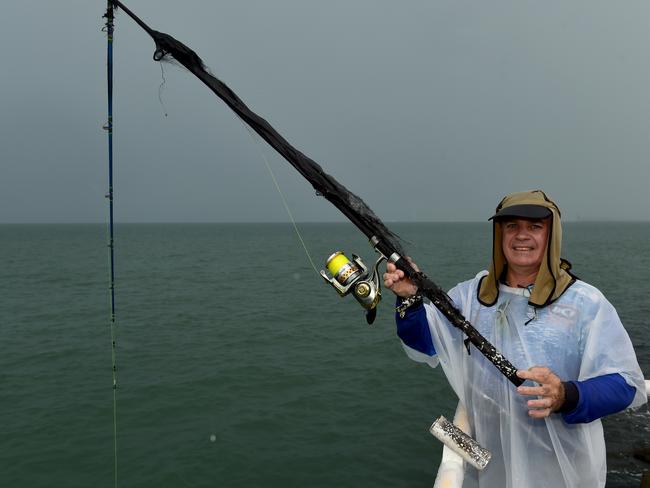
(550,391)
(394,280)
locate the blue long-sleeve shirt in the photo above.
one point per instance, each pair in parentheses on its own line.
(591,399)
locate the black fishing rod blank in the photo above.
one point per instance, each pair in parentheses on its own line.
(353,207)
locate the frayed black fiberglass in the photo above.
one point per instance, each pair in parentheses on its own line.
(353,207)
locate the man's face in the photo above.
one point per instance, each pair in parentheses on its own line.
(524,243)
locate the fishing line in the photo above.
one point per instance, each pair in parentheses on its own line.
(109,28)
(160,89)
(277,186)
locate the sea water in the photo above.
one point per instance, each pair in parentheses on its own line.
(237,365)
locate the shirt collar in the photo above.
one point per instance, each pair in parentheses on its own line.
(524,292)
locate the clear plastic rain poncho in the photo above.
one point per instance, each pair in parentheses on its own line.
(579,336)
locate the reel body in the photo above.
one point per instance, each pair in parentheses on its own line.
(353,277)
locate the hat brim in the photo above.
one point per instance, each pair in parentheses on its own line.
(524,211)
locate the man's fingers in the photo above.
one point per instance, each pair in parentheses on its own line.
(392,278)
(538,374)
(540,414)
(392,269)
(532,390)
(540,403)
(395,280)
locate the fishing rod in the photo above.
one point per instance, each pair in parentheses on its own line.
(384,241)
(109,29)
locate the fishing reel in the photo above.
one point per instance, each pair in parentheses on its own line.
(353,277)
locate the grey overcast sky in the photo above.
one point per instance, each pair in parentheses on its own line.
(429,110)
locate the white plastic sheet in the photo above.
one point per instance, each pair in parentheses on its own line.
(579,337)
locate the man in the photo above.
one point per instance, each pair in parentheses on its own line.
(561,332)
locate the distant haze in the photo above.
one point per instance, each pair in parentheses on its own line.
(428,110)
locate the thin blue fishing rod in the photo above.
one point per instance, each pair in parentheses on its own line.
(109,28)
(109,129)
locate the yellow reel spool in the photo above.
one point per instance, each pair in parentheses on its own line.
(336,261)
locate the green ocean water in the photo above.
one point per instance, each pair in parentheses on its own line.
(237,365)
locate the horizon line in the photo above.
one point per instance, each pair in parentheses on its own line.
(155,222)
